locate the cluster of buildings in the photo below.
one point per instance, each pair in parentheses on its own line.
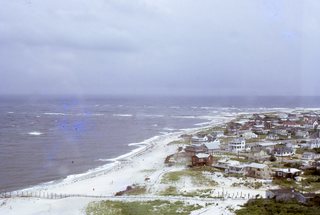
(259,139)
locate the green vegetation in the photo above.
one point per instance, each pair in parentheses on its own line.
(268,207)
(180,142)
(254,185)
(156,207)
(172,191)
(196,176)
(138,190)
(283,183)
(210,130)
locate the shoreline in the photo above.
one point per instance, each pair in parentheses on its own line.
(121,160)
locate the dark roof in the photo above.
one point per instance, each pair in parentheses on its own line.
(283,150)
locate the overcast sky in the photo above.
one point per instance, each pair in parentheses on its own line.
(181,47)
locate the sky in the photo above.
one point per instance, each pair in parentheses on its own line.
(160,47)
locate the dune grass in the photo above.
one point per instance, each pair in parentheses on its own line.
(157,207)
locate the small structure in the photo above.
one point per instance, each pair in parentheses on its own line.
(287,173)
(237,169)
(281,194)
(213,146)
(195,148)
(272,136)
(312,144)
(202,159)
(224,164)
(310,156)
(290,194)
(257,170)
(283,152)
(302,134)
(237,145)
(259,155)
(249,135)
(304,198)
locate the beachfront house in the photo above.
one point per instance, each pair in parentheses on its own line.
(212,147)
(257,170)
(234,168)
(237,145)
(195,149)
(280,194)
(287,173)
(225,163)
(289,195)
(202,159)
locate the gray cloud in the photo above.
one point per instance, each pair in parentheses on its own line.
(211,47)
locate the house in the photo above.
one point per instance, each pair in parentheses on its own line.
(268,146)
(281,132)
(310,156)
(206,138)
(304,198)
(218,134)
(258,154)
(313,144)
(283,152)
(315,124)
(225,163)
(202,159)
(237,145)
(236,168)
(272,136)
(257,170)
(281,194)
(195,148)
(290,194)
(287,173)
(302,134)
(213,146)
(249,135)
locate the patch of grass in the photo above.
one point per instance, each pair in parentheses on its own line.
(311,183)
(253,185)
(180,142)
(139,190)
(270,206)
(156,207)
(170,191)
(283,183)
(196,176)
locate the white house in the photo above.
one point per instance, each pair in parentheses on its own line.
(237,145)
(312,144)
(249,135)
(213,146)
(283,152)
(310,156)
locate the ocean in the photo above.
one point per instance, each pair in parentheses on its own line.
(49,138)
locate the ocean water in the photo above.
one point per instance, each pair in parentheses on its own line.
(48,138)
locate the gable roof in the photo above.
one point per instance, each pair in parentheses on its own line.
(202,155)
